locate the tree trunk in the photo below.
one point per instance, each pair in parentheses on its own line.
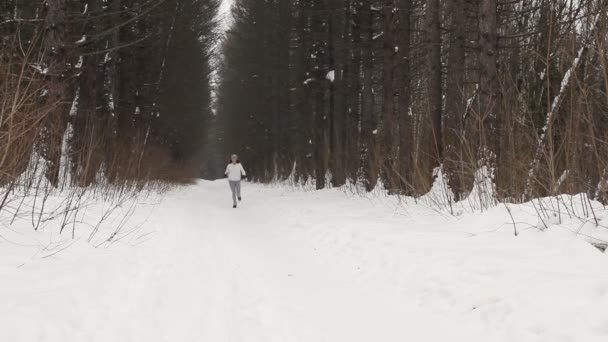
(455,102)
(434,88)
(337,95)
(353,113)
(57,86)
(282,160)
(489,101)
(369,131)
(390,121)
(320,87)
(404,78)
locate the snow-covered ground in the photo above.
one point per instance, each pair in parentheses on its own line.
(302,266)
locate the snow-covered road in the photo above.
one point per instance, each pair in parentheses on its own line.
(309,267)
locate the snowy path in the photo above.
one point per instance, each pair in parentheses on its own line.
(310,266)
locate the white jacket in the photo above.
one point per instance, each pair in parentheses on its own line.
(235,172)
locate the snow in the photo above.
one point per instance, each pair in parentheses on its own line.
(331,75)
(225,14)
(296,265)
(40,68)
(377,35)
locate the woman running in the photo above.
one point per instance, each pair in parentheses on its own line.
(235,172)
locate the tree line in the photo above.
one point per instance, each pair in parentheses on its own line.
(110,91)
(510,93)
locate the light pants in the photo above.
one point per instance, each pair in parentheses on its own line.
(235,186)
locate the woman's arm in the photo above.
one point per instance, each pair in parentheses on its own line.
(227,169)
(243,170)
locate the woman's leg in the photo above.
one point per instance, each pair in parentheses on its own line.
(233,186)
(238,190)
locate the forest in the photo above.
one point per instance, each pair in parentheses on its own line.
(113,92)
(392,94)
(510,95)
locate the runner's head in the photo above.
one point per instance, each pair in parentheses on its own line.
(234,158)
